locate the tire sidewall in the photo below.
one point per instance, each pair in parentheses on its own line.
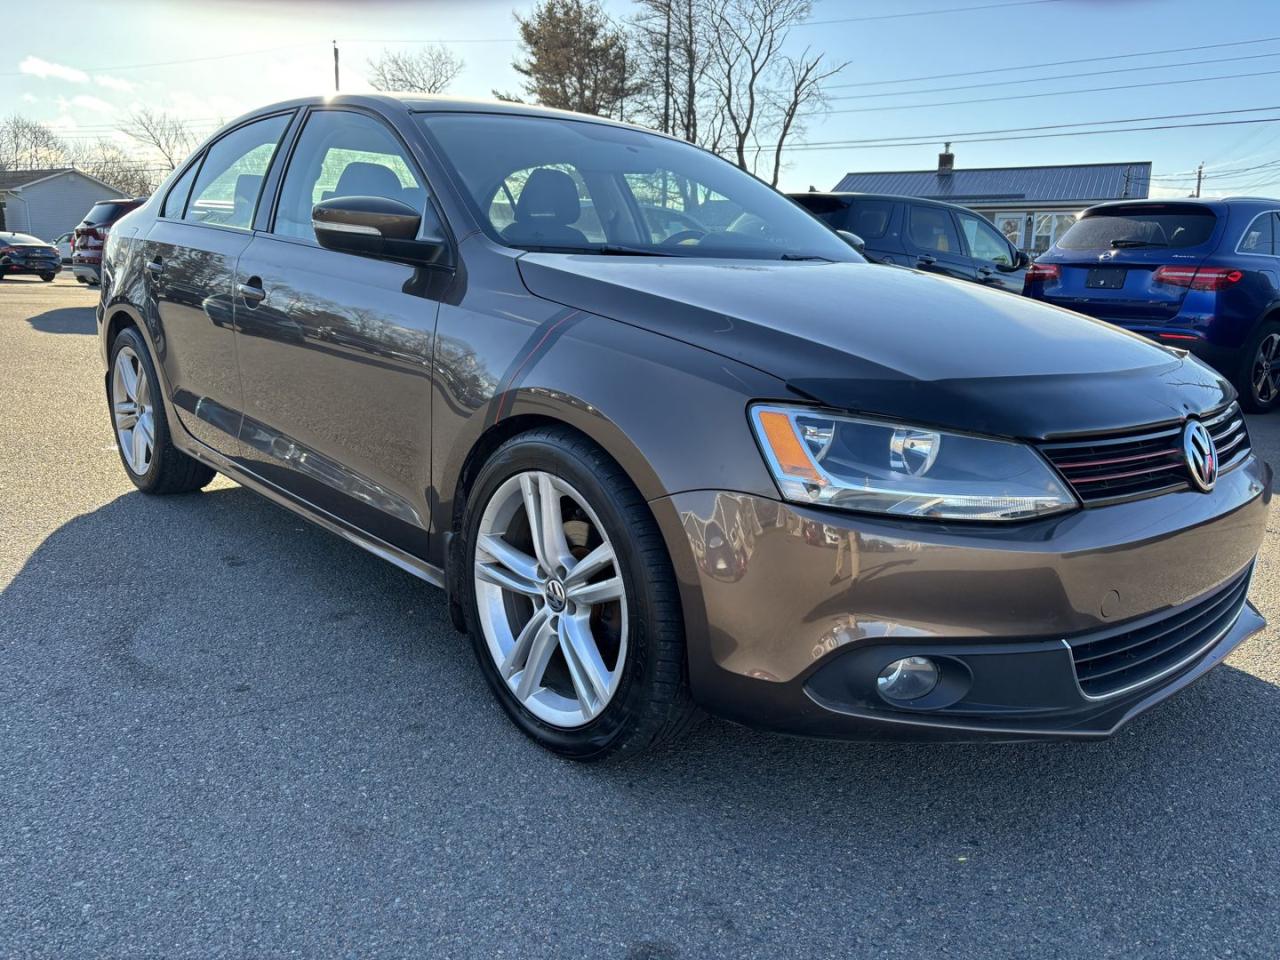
(551,455)
(1245,381)
(130,337)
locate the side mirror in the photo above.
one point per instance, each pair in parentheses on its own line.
(853,240)
(1020,260)
(380,227)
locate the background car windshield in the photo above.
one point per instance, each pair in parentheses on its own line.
(546,183)
(1155,226)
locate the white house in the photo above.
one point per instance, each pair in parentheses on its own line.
(48,203)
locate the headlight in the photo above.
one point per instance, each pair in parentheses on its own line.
(880,467)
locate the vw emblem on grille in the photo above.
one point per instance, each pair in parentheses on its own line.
(1201,455)
(555,594)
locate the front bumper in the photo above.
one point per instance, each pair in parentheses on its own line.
(792,611)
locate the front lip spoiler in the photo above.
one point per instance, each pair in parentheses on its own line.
(1096,723)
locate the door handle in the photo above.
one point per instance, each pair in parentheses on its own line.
(986,271)
(926,261)
(155,267)
(251,292)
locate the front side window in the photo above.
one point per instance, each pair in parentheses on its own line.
(869,219)
(344,154)
(230,180)
(931,229)
(543,183)
(984,242)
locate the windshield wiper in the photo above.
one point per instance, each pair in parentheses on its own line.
(1117,244)
(804,256)
(606,249)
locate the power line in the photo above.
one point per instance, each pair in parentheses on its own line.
(1059,76)
(1057,63)
(926,13)
(1052,93)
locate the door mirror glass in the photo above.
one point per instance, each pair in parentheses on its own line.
(853,240)
(379,227)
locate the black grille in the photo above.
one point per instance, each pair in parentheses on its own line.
(1145,461)
(1132,655)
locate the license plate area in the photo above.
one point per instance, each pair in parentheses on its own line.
(1105,278)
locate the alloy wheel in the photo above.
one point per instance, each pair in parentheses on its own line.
(1265,375)
(133,411)
(550,598)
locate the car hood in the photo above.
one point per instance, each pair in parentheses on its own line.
(896,343)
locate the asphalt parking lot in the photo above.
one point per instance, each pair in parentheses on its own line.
(226,733)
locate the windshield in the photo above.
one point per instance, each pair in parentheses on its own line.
(542,183)
(1153,225)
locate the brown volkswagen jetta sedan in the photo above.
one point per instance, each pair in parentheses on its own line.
(668,442)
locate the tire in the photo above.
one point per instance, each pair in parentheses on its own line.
(1258,392)
(156,466)
(47,277)
(637,639)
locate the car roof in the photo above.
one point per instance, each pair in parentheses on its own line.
(1216,204)
(854,194)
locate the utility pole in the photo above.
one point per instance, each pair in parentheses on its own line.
(1199,177)
(336,85)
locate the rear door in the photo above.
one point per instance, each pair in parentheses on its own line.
(1108,259)
(335,349)
(205,223)
(994,258)
(933,242)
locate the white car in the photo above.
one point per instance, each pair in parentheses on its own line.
(64,244)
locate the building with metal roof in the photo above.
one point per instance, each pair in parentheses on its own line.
(1032,206)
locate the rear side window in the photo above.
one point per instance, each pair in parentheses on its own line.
(931,228)
(175,204)
(106,211)
(1259,236)
(230,179)
(1175,226)
(869,219)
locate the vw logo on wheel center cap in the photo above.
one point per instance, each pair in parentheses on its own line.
(556,597)
(1201,455)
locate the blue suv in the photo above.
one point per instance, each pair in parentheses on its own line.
(1203,275)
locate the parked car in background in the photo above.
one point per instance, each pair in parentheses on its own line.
(64,246)
(733,466)
(1199,274)
(924,234)
(23,253)
(91,234)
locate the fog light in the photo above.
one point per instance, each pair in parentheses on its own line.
(907,679)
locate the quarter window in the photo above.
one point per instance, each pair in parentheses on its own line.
(175,203)
(984,242)
(344,154)
(869,219)
(230,180)
(1259,236)
(931,228)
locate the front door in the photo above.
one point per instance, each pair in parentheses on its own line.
(191,254)
(995,257)
(934,244)
(336,349)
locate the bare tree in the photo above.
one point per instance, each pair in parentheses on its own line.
(166,135)
(671,47)
(428,70)
(132,176)
(27,144)
(761,92)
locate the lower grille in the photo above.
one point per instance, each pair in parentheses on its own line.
(1144,461)
(1132,655)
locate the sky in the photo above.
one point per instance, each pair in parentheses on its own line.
(83,72)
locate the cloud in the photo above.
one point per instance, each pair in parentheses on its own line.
(46,70)
(29,98)
(86,102)
(112,83)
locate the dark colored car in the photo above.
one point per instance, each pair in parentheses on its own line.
(1203,275)
(924,234)
(91,233)
(734,467)
(23,253)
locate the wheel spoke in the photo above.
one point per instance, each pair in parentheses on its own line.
(529,493)
(517,561)
(126,414)
(128,377)
(535,665)
(586,668)
(139,445)
(593,593)
(518,656)
(555,549)
(504,578)
(590,565)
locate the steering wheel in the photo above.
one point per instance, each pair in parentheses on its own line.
(681,236)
